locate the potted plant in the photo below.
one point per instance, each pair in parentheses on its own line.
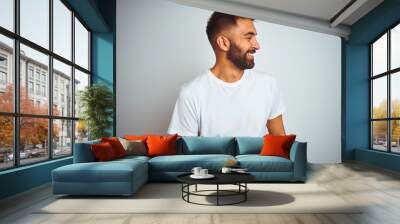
(96,102)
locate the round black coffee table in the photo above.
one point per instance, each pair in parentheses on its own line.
(238,179)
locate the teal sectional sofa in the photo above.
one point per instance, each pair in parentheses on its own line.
(125,176)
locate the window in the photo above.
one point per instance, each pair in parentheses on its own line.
(6,71)
(30,87)
(62,75)
(81,81)
(62,29)
(3,72)
(7,14)
(81,45)
(62,137)
(30,72)
(3,61)
(385,91)
(43,90)
(37,74)
(33,148)
(37,89)
(3,82)
(3,78)
(6,142)
(44,131)
(34,21)
(395,47)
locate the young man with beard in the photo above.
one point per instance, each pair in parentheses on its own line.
(229,99)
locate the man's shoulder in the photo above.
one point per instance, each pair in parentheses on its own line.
(194,86)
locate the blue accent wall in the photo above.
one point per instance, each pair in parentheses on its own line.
(103,64)
(356,86)
(357,99)
(24,178)
(100,16)
(103,52)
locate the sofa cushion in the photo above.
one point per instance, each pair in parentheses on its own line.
(195,145)
(111,171)
(277,145)
(257,163)
(103,152)
(185,163)
(249,145)
(134,147)
(116,145)
(159,145)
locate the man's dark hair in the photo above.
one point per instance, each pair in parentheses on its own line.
(219,21)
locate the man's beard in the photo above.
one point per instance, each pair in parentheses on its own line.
(238,58)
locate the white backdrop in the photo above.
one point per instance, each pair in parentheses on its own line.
(161,45)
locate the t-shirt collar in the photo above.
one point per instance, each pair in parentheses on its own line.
(228,84)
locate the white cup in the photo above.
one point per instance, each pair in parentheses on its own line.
(196,171)
(226,170)
(203,172)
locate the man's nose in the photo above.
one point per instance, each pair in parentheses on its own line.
(256,45)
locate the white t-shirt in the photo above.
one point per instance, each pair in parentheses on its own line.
(209,106)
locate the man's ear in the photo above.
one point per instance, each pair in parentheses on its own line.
(223,43)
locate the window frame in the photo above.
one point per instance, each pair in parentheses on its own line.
(388,74)
(16,114)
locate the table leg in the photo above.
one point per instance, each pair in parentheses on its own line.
(188,190)
(245,193)
(217,194)
(196,188)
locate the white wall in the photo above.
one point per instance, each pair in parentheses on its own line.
(161,45)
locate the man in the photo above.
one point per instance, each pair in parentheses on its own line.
(229,99)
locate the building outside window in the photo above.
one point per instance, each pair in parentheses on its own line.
(3,72)
(30,72)
(30,87)
(43,77)
(3,78)
(43,90)
(3,61)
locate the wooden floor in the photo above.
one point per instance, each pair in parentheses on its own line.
(353,182)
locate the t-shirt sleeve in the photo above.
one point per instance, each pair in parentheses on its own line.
(278,105)
(184,121)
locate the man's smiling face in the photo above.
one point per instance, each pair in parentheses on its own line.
(243,44)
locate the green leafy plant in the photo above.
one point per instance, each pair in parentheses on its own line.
(96,102)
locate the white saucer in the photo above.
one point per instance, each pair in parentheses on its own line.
(208,176)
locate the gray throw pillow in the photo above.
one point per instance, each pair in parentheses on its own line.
(134,147)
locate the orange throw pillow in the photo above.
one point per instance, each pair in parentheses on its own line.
(161,145)
(135,137)
(103,151)
(116,145)
(277,145)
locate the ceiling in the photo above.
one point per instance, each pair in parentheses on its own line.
(319,9)
(326,16)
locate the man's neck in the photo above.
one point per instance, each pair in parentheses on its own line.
(227,72)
